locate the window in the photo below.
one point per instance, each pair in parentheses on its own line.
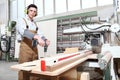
(28,2)
(104,2)
(39,4)
(21,8)
(73,5)
(48,7)
(60,6)
(88,3)
(13,10)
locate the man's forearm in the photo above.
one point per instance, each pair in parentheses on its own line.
(31,36)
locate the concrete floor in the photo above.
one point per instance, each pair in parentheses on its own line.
(5,71)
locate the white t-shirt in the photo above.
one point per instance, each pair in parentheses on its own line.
(21,27)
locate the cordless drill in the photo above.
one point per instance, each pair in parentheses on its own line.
(45,47)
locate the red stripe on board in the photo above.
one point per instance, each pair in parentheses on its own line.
(67,57)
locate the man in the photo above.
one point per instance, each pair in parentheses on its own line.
(29,36)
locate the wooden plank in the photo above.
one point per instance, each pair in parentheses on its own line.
(67,61)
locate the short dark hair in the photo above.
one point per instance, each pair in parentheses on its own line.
(31,5)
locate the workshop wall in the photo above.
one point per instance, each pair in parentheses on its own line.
(49,29)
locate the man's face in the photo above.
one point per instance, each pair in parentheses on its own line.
(32,12)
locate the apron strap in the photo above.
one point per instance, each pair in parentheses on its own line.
(26,23)
(28,26)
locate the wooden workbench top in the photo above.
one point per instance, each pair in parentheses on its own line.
(34,66)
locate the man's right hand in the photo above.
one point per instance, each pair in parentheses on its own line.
(40,41)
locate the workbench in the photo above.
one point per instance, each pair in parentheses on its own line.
(33,69)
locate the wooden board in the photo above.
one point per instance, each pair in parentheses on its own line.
(67,61)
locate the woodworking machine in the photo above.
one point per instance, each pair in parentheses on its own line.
(99,37)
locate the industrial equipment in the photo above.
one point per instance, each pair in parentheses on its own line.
(99,36)
(7,41)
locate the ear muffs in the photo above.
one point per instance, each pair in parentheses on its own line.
(25,11)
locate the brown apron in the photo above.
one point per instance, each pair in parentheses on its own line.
(27,53)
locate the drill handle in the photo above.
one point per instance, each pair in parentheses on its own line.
(45,47)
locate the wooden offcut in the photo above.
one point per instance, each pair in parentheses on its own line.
(71,50)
